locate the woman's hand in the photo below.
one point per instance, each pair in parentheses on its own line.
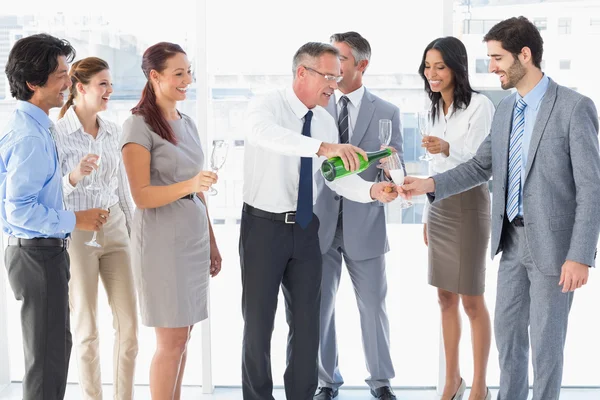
(215,259)
(85,167)
(203,181)
(435,145)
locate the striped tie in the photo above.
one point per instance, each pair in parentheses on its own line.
(514,161)
(343,121)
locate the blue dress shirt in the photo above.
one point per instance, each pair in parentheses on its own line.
(30,178)
(533,99)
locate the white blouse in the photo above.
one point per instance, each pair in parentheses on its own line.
(72,144)
(464,130)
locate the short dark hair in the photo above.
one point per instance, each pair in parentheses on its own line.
(32,59)
(514,34)
(455,57)
(312,50)
(360,47)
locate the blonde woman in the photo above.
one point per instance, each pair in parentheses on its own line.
(80,129)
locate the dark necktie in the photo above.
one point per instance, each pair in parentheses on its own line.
(343,121)
(304,210)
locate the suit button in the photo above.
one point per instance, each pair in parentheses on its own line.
(337,197)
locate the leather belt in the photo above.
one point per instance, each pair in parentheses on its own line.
(518,221)
(38,242)
(188,197)
(286,217)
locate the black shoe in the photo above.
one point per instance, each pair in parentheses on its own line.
(325,393)
(383,393)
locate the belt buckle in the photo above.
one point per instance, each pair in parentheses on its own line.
(66,243)
(290,214)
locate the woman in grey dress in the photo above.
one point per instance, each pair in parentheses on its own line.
(173,245)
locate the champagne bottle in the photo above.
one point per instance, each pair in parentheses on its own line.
(333,168)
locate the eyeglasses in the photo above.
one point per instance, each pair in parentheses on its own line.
(337,79)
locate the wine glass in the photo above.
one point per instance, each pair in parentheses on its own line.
(101,200)
(394,166)
(217,159)
(95,147)
(385,132)
(425,129)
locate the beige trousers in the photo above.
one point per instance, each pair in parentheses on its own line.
(112,263)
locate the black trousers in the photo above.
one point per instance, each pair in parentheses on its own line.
(39,277)
(274,254)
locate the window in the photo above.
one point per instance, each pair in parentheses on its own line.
(565,64)
(595,25)
(482,66)
(564,26)
(541,23)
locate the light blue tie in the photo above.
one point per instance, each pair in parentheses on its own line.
(515,160)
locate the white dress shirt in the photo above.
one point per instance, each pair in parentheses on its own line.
(274,146)
(464,130)
(355,99)
(72,144)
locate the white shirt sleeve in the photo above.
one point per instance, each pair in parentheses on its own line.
(479,125)
(67,187)
(264,131)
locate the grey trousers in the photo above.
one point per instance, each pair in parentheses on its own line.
(39,277)
(370,286)
(528,300)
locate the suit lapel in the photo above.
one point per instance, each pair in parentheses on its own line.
(540,123)
(332,109)
(505,139)
(365,113)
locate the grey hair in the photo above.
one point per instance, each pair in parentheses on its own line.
(310,51)
(359,46)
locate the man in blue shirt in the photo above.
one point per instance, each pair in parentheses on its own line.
(33,215)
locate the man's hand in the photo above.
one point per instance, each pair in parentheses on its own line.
(435,145)
(90,220)
(416,187)
(425,235)
(346,152)
(384,192)
(573,276)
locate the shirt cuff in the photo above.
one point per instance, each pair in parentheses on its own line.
(67,187)
(66,221)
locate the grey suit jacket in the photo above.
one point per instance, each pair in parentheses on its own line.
(561,190)
(365,233)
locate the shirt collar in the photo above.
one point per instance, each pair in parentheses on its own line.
(35,112)
(533,99)
(355,97)
(296,105)
(75,123)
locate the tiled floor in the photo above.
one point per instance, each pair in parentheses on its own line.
(13,392)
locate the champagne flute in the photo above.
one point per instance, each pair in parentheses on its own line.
(425,129)
(394,165)
(385,132)
(101,200)
(95,147)
(217,159)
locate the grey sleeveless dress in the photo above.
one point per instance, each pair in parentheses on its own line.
(170,244)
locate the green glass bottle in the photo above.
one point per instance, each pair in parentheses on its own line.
(333,168)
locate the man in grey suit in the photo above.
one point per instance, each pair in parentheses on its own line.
(358,234)
(543,154)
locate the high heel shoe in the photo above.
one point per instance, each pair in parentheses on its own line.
(461,390)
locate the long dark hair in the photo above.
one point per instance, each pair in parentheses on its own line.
(455,57)
(82,71)
(31,60)
(155,58)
